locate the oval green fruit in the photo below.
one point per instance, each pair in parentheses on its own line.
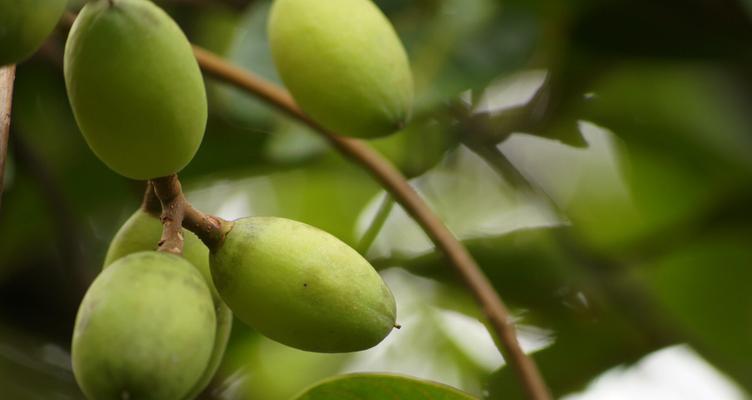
(343,63)
(301,286)
(135,88)
(144,330)
(141,232)
(24,25)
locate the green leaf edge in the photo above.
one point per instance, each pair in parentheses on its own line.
(402,377)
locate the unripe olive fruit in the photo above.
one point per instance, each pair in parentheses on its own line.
(24,25)
(144,330)
(343,63)
(135,88)
(301,286)
(141,232)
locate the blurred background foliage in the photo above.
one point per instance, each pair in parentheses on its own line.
(594,156)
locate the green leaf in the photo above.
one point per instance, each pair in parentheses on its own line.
(583,349)
(703,288)
(31,367)
(381,387)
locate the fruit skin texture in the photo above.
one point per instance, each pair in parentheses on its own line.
(141,232)
(135,88)
(301,286)
(144,330)
(24,25)
(343,63)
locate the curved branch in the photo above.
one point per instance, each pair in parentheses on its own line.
(7,76)
(397,185)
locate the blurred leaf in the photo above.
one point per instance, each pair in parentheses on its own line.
(257,368)
(249,50)
(466,45)
(703,288)
(697,29)
(582,350)
(419,147)
(527,267)
(32,369)
(379,387)
(691,113)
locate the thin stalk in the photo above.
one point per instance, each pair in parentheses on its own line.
(377,223)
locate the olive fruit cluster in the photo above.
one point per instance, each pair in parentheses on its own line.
(155,325)
(24,24)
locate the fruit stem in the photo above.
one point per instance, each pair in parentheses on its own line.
(151,204)
(377,223)
(177,212)
(170,195)
(210,229)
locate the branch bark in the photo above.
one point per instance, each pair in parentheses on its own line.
(403,193)
(177,213)
(170,195)
(7,77)
(151,203)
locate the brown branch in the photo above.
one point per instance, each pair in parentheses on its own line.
(178,213)
(210,229)
(170,194)
(151,203)
(397,185)
(7,76)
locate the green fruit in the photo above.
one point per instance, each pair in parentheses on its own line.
(343,63)
(301,286)
(141,232)
(221,337)
(144,330)
(24,25)
(135,88)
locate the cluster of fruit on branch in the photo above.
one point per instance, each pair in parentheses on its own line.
(155,322)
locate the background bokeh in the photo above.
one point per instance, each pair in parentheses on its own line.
(594,156)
